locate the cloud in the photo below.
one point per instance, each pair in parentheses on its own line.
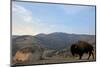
(24,23)
(21,20)
(21,12)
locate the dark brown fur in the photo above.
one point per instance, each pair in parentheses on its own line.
(82,47)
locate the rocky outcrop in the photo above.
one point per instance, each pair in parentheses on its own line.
(28,55)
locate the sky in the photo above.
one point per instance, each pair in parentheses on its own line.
(33,18)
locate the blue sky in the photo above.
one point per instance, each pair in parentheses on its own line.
(34,18)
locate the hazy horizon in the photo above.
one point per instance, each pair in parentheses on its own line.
(34,18)
(54,32)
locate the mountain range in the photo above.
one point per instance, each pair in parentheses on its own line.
(56,40)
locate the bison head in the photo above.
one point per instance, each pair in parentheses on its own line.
(74,49)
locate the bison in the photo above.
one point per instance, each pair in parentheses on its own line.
(82,47)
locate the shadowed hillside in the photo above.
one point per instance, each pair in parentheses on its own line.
(60,40)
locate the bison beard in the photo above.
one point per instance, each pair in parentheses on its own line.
(82,47)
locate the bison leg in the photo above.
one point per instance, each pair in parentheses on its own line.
(89,55)
(80,56)
(92,55)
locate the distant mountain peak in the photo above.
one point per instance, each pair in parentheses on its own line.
(41,35)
